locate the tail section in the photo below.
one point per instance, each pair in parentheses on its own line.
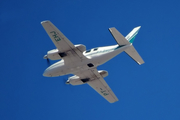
(131,51)
(128,40)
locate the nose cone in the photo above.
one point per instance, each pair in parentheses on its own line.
(47,73)
(54,70)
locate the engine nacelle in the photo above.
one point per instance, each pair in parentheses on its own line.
(103,73)
(81,47)
(74,80)
(53,54)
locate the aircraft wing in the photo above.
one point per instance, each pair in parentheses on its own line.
(62,43)
(98,84)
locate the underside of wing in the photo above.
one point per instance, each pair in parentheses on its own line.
(97,82)
(60,41)
(66,49)
(100,86)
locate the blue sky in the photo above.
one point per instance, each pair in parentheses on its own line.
(147,92)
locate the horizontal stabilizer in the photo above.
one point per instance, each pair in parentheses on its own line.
(120,39)
(131,51)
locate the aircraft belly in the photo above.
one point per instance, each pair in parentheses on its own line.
(63,69)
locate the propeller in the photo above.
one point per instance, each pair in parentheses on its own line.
(65,83)
(48,61)
(65,80)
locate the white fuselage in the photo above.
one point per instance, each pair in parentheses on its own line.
(96,57)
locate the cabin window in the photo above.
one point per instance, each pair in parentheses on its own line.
(95,49)
(88,51)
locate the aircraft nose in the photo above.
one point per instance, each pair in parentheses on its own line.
(47,73)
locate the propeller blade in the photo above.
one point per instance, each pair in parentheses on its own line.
(65,79)
(45,57)
(48,62)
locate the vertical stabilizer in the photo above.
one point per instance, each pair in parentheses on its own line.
(131,36)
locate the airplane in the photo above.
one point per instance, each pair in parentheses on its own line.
(75,59)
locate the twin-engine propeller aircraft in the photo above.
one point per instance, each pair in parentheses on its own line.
(83,63)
